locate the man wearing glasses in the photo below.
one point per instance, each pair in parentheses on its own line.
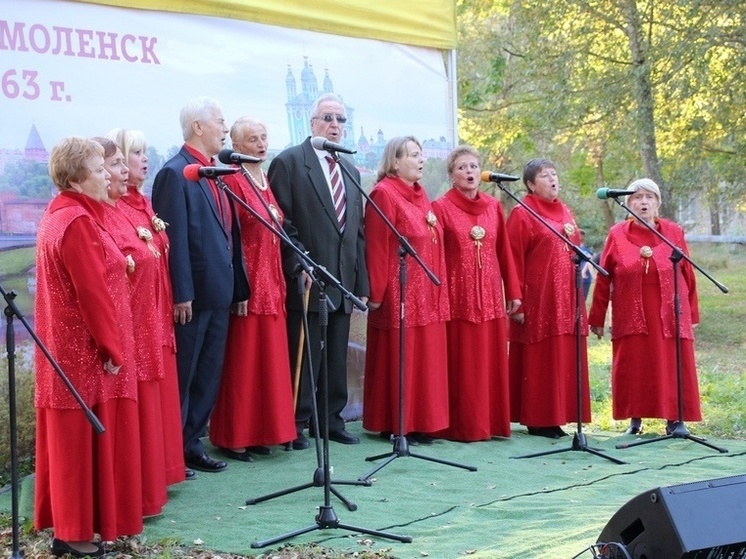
(324,216)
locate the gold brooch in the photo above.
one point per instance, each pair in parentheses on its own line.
(158,224)
(145,234)
(569,229)
(432,221)
(477,233)
(646,252)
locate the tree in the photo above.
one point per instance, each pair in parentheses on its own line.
(619,87)
(28,179)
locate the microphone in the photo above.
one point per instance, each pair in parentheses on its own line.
(605,193)
(229,156)
(319,142)
(195,172)
(498,177)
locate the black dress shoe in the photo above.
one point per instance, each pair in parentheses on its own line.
(547,432)
(560,432)
(632,430)
(189,473)
(262,450)
(60,548)
(420,438)
(386,435)
(204,463)
(244,456)
(343,437)
(300,443)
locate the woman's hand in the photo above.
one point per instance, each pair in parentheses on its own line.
(110,368)
(241,308)
(513,306)
(372,305)
(598,330)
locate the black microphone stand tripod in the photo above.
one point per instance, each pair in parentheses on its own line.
(326,517)
(12,310)
(680,431)
(318,477)
(579,439)
(400,443)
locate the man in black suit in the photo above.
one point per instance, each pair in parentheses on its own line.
(304,183)
(207,271)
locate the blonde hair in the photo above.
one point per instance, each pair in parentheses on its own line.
(128,141)
(458,152)
(395,149)
(67,162)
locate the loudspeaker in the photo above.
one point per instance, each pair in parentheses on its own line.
(701,520)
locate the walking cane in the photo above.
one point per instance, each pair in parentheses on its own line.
(299,354)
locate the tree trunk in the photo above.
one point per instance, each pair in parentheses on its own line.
(714,215)
(598,166)
(643,94)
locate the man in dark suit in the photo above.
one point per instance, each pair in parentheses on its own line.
(207,271)
(304,183)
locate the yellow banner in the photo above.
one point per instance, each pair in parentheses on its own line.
(428,23)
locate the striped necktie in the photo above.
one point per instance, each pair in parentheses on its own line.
(338,191)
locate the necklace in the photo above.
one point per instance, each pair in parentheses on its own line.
(261,185)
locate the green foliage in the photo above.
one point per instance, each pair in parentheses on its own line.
(27,178)
(18,261)
(25,414)
(565,80)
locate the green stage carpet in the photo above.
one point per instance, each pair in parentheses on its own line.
(547,507)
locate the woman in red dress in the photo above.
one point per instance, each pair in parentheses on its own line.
(480,267)
(543,358)
(643,332)
(86,483)
(254,408)
(404,202)
(152,306)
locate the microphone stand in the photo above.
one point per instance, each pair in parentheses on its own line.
(579,440)
(401,445)
(680,431)
(318,477)
(10,311)
(326,518)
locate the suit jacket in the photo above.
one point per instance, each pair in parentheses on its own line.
(205,261)
(301,189)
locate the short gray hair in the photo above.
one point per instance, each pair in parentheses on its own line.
(646,184)
(197,109)
(323,98)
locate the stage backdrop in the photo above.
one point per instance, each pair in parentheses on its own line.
(84,68)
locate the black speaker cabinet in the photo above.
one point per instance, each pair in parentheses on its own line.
(701,520)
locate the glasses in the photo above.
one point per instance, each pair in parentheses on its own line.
(330,117)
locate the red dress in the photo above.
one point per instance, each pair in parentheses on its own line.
(255,401)
(480,265)
(152,307)
(426,311)
(86,482)
(543,357)
(643,331)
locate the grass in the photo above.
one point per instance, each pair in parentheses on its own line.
(721,361)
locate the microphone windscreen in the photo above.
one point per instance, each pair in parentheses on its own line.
(191,172)
(486,176)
